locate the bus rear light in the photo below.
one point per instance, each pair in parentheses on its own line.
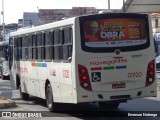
(85,85)
(83,71)
(151,66)
(150,73)
(150,80)
(84,78)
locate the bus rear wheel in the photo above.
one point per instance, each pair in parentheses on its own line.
(49,98)
(108,105)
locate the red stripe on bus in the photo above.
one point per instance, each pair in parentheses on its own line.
(96,68)
(33,64)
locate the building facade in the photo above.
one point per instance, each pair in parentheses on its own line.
(50,15)
(30,19)
(151,7)
(7,29)
(155,22)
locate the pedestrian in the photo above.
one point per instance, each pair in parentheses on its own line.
(1,67)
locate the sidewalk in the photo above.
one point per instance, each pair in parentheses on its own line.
(158,81)
(158,85)
(7,94)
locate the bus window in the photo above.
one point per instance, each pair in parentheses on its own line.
(107,34)
(40,39)
(40,53)
(48,38)
(30,53)
(24,48)
(17,49)
(40,46)
(57,45)
(34,53)
(67,43)
(34,47)
(29,41)
(34,40)
(48,52)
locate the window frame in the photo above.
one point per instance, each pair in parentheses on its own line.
(67,42)
(57,39)
(24,49)
(40,46)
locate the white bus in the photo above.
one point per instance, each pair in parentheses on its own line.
(103,58)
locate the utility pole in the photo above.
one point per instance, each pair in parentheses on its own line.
(108,4)
(124,6)
(3,19)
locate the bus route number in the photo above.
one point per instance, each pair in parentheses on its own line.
(134,74)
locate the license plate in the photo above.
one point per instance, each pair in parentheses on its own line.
(118,85)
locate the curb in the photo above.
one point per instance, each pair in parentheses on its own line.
(8,104)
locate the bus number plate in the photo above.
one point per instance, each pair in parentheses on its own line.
(118,85)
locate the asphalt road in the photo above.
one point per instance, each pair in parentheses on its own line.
(141,106)
(89,111)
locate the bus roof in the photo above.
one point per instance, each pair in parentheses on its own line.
(57,24)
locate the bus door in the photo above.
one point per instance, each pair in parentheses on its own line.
(33,66)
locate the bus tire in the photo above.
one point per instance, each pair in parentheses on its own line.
(24,96)
(106,105)
(49,98)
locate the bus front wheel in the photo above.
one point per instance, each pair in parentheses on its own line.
(49,98)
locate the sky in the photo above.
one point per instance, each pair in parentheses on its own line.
(13,9)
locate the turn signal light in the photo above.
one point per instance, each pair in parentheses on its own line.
(84,78)
(150,73)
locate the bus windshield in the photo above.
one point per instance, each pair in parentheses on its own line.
(113,32)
